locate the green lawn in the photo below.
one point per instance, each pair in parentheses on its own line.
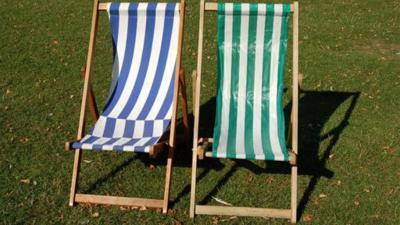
(349,122)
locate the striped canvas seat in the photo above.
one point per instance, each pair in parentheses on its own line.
(139,107)
(252,43)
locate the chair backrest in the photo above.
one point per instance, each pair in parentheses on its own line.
(252,44)
(145,39)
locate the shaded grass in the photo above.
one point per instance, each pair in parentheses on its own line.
(349,127)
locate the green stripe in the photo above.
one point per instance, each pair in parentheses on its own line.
(269,25)
(281,68)
(252,35)
(221,38)
(231,146)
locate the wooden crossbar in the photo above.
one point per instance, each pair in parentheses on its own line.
(113,200)
(213,6)
(102,6)
(242,211)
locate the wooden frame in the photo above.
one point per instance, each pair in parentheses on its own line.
(89,96)
(200,144)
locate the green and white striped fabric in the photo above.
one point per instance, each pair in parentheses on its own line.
(252,43)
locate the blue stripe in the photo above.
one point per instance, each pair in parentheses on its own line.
(166,124)
(109,127)
(129,128)
(144,64)
(168,99)
(148,128)
(126,65)
(162,61)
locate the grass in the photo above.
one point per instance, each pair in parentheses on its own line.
(349,126)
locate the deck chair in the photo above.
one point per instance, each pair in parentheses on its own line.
(142,103)
(249,124)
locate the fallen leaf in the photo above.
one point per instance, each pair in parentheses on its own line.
(177,222)
(26,181)
(143,208)
(171,211)
(357,203)
(270,180)
(215,220)
(152,166)
(307,218)
(322,195)
(95,215)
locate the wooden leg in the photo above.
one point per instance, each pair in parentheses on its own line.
(294,195)
(193,184)
(168,176)
(75,176)
(185,117)
(194,79)
(92,100)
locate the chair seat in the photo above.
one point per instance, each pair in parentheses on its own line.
(90,142)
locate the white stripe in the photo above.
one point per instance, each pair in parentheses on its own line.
(139,129)
(133,73)
(258,90)
(273,117)
(226,91)
(119,128)
(154,56)
(99,141)
(158,128)
(99,127)
(168,72)
(121,44)
(85,138)
(242,81)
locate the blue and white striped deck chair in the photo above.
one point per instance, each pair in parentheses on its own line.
(147,41)
(249,122)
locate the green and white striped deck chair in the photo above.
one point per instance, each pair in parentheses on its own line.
(249,122)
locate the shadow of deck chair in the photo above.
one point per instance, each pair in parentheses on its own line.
(249,124)
(142,103)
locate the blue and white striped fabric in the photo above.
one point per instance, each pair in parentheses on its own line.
(139,107)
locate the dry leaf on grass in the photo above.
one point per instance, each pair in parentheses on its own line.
(308,218)
(26,181)
(270,180)
(215,220)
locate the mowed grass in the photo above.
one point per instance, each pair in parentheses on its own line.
(349,122)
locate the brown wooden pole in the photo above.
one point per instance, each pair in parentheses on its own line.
(81,128)
(172,135)
(184,106)
(196,112)
(92,100)
(295,110)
